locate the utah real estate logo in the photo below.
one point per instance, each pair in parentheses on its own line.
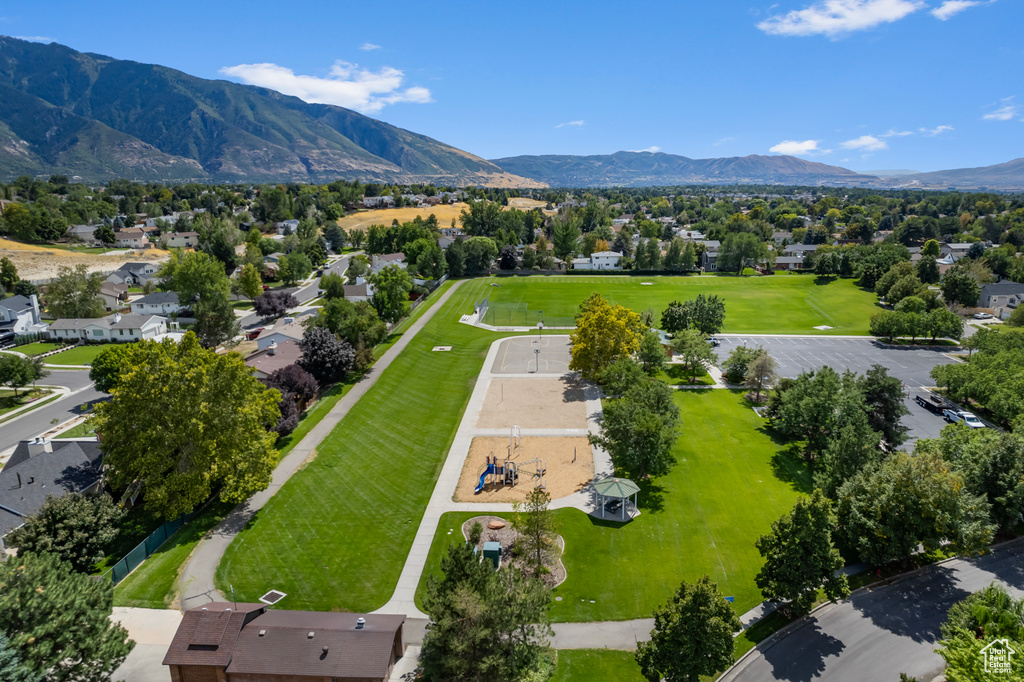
(998,655)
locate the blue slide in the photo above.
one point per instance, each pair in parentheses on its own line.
(490,470)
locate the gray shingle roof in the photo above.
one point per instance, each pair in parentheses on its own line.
(17,304)
(74,465)
(159,298)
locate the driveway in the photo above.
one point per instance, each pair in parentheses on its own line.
(877,634)
(911,365)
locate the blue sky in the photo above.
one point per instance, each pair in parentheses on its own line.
(865,84)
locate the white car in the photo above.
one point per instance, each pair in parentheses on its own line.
(982,316)
(968,418)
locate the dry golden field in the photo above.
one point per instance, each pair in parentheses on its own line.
(383,216)
(41,262)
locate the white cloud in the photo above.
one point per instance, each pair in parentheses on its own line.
(724,140)
(898,133)
(794,147)
(866,142)
(836,17)
(653,148)
(366,47)
(952,7)
(575,124)
(346,86)
(938,130)
(35,39)
(1005,112)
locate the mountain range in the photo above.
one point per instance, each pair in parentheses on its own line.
(91,116)
(644,169)
(96,118)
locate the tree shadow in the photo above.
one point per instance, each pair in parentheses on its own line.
(815,647)
(1007,564)
(915,607)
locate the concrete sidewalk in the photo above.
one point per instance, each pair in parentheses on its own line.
(196,584)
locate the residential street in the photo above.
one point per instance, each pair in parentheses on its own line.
(37,421)
(303,293)
(877,634)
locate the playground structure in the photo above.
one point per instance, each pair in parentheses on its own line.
(507,471)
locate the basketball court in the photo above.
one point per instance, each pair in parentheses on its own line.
(533,355)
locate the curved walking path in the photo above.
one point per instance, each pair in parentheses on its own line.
(196,584)
(877,633)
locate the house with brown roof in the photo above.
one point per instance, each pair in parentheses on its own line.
(225,642)
(278,355)
(130,238)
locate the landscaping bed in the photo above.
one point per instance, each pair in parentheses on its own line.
(506,537)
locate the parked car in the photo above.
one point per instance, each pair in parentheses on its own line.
(982,316)
(253,333)
(714,342)
(266,287)
(968,418)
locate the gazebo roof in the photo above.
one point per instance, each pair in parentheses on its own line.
(616,487)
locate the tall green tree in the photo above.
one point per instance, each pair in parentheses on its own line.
(852,448)
(74,293)
(694,351)
(760,373)
(18,372)
(566,237)
(110,363)
(391,287)
(960,287)
(640,428)
(692,635)
(188,422)
(888,511)
(800,556)
(8,274)
(651,353)
(883,398)
(58,620)
(75,527)
(249,281)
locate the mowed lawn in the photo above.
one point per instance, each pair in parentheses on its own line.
(337,534)
(585,665)
(730,483)
(37,348)
(776,304)
(79,355)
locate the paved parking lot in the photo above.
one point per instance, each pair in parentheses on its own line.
(910,365)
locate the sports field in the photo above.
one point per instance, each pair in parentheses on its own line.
(777,304)
(384,216)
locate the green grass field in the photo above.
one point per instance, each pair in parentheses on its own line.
(584,665)
(82,430)
(79,355)
(779,304)
(38,348)
(337,534)
(730,483)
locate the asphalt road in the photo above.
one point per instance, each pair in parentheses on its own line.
(877,634)
(37,421)
(303,294)
(911,365)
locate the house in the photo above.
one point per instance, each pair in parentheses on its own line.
(113,295)
(158,303)
(709,258)
(182,240)
(599,260)
(130,238)
(799,249)
(954,252)
(133,274)
(287,328)
(690,235)
(116,327)
(19,314)
(789,262)
(287,226)
(445,242)
(39,468)
(452,232)
(1005,294)
(380,261)
(780,236)
(378,202)
(360,291)
(239,642)
(83,233)
(274,357)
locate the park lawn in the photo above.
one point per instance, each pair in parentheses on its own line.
(675,374)
(584,665)
(776,304)
(695,520)
(154,584)
(38,348)
(337,534)
(79,355)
